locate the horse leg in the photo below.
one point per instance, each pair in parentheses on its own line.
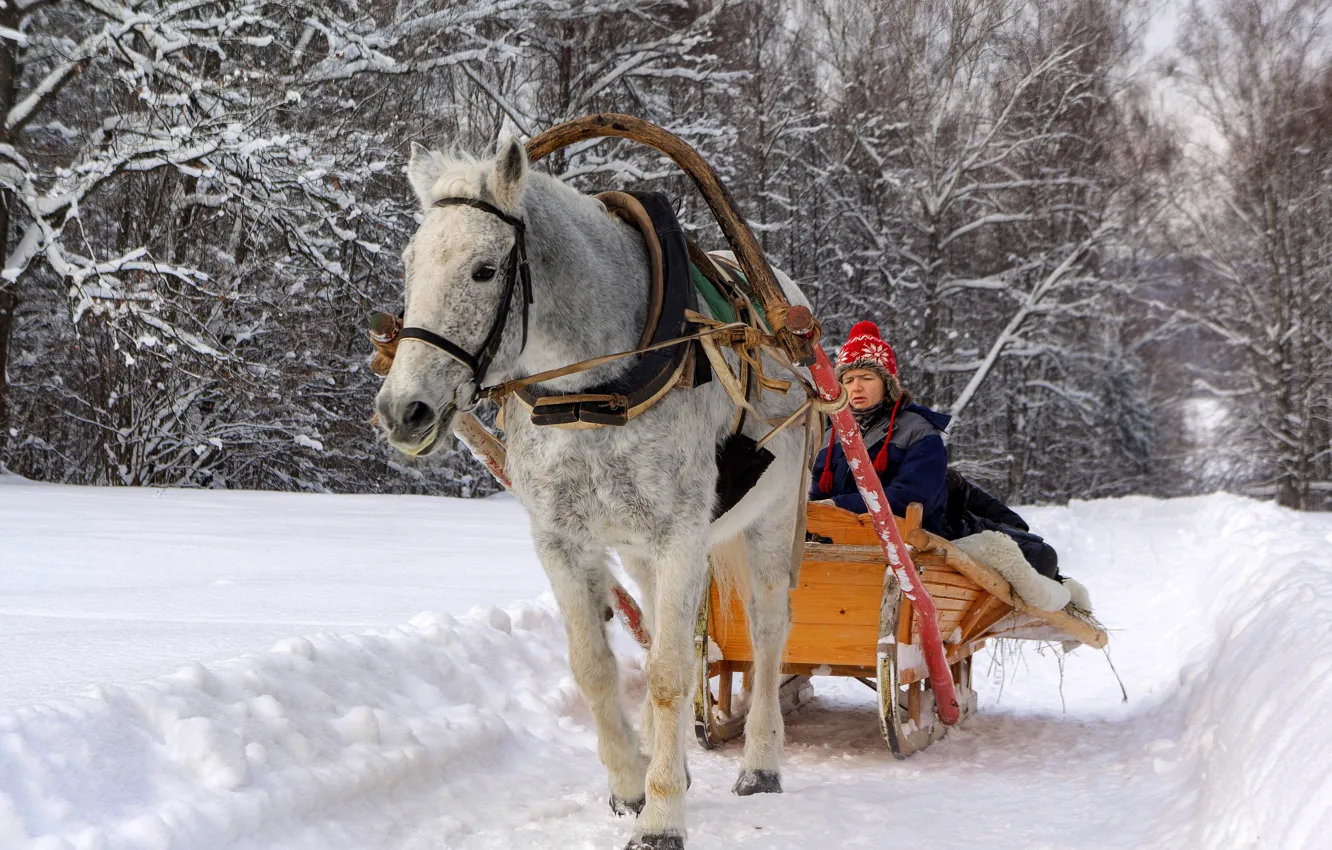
(769,609)
(681,575)
(640,569)
(579,576)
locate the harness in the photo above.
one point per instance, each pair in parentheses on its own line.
(656,371)
(668,354)
(679,347)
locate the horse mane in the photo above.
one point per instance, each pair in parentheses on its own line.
(461,174)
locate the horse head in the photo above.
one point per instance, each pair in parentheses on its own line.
(465,274)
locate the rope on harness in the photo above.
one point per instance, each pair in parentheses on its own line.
(499,391)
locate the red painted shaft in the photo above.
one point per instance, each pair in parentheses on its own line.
(631,616)
(899,560)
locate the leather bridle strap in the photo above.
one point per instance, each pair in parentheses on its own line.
(516,273)
(484,206)
(432,338)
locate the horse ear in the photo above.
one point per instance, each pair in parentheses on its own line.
(423,170)
(510,174)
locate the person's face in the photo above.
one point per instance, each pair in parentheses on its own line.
(865,388)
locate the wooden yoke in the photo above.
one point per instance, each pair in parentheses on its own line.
(719,200)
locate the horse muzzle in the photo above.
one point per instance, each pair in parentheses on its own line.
(415,428)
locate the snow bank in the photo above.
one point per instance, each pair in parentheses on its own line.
(118,584)
(1256,699)
(1220,611)
(212,753)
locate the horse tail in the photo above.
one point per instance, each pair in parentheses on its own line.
(729,560)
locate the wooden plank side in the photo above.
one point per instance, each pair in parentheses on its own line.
(987,611)
(861,670)
(844,553)
(817,644)
(824,603)
(949,622)
(842,526)
(950,578)
(820,607)
(838,573)
(813,606)
(835,608)
(832,644)
(906,616)
(929,561)
(992,582)
(943,605)
(948,591)
(950,625)
(727,626)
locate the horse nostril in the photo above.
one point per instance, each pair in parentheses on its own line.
(418,414)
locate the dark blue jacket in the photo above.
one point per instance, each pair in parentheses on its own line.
(917,461)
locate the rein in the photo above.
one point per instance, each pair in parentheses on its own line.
(499,391)
(516,272)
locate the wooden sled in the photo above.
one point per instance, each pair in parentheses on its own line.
(849,617)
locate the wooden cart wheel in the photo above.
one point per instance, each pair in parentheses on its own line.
(719,711)
(906,712)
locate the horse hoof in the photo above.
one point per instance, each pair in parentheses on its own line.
(624,807)
(758,782)
(657,841)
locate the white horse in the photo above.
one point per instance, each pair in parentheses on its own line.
(645,489)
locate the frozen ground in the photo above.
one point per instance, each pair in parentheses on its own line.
(212,670)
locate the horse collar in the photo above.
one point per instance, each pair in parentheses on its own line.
(516,273)
(654,373)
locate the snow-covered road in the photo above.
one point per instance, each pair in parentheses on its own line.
(205,670)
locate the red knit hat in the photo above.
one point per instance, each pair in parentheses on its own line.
(865,349)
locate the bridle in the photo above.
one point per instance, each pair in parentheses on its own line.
(516,272)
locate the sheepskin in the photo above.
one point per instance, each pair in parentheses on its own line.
(1078,595)
(999,552)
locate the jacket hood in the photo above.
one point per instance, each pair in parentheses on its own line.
(934,417)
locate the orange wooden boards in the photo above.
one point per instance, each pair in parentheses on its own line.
(843,526)
(835,607)
(833,621)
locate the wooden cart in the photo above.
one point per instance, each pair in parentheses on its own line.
(849,617)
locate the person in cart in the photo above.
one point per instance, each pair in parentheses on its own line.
(905,441)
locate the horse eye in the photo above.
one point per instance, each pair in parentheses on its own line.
(483,273)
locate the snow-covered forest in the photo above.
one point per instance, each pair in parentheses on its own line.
(1109,259)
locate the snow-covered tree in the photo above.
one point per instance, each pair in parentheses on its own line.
(979,195)
(203,201)
(1257,214)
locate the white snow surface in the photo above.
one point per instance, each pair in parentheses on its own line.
(184,669)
